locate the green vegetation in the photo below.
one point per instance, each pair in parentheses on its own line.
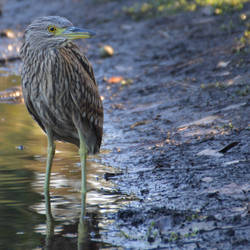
(152,233)
(191,234)
(174,237)
(228,126)
(192,217)
(245,39)
(152,8)
(123,234)
(217,85)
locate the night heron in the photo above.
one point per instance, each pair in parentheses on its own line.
(59,88)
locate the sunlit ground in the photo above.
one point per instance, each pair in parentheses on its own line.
(148,8)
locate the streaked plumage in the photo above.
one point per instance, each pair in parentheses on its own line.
(60,91)
(59,86)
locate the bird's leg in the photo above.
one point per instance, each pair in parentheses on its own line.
(83,155)
(49,217)
(50,156)
(50,225)
(83,235)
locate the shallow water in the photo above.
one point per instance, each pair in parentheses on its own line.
(22,205)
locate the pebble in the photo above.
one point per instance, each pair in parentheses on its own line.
(106,51)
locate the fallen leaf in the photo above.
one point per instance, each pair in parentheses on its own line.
(115,79)
(182,128)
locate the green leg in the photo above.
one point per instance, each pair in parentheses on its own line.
(49,218)
(50,225)
(50,156)
(83,236)
(83,155)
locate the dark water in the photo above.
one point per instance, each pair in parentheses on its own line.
(23,222)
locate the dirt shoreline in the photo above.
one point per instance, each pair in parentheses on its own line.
(180,129)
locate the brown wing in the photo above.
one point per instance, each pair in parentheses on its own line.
(84,93)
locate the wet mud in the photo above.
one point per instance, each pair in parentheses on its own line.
(177,128)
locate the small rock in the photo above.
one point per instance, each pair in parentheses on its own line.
(223,64)
(106,51)
(207,179)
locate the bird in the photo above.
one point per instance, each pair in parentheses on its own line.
(60,90)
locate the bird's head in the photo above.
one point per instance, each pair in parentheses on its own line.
(53,31)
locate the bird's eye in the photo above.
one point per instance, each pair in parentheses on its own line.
(52,28)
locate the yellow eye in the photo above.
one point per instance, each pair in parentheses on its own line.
(52,28)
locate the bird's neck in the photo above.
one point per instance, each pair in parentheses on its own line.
(38,48)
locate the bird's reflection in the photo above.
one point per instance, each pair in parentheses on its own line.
(82,239)
(88,226)
(50,225)
(84,227)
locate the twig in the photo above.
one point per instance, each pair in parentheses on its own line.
(229,146)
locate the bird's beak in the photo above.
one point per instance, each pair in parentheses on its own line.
(77,33)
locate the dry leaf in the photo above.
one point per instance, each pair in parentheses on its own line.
(115,79)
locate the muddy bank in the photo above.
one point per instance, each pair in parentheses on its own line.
(178,131)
